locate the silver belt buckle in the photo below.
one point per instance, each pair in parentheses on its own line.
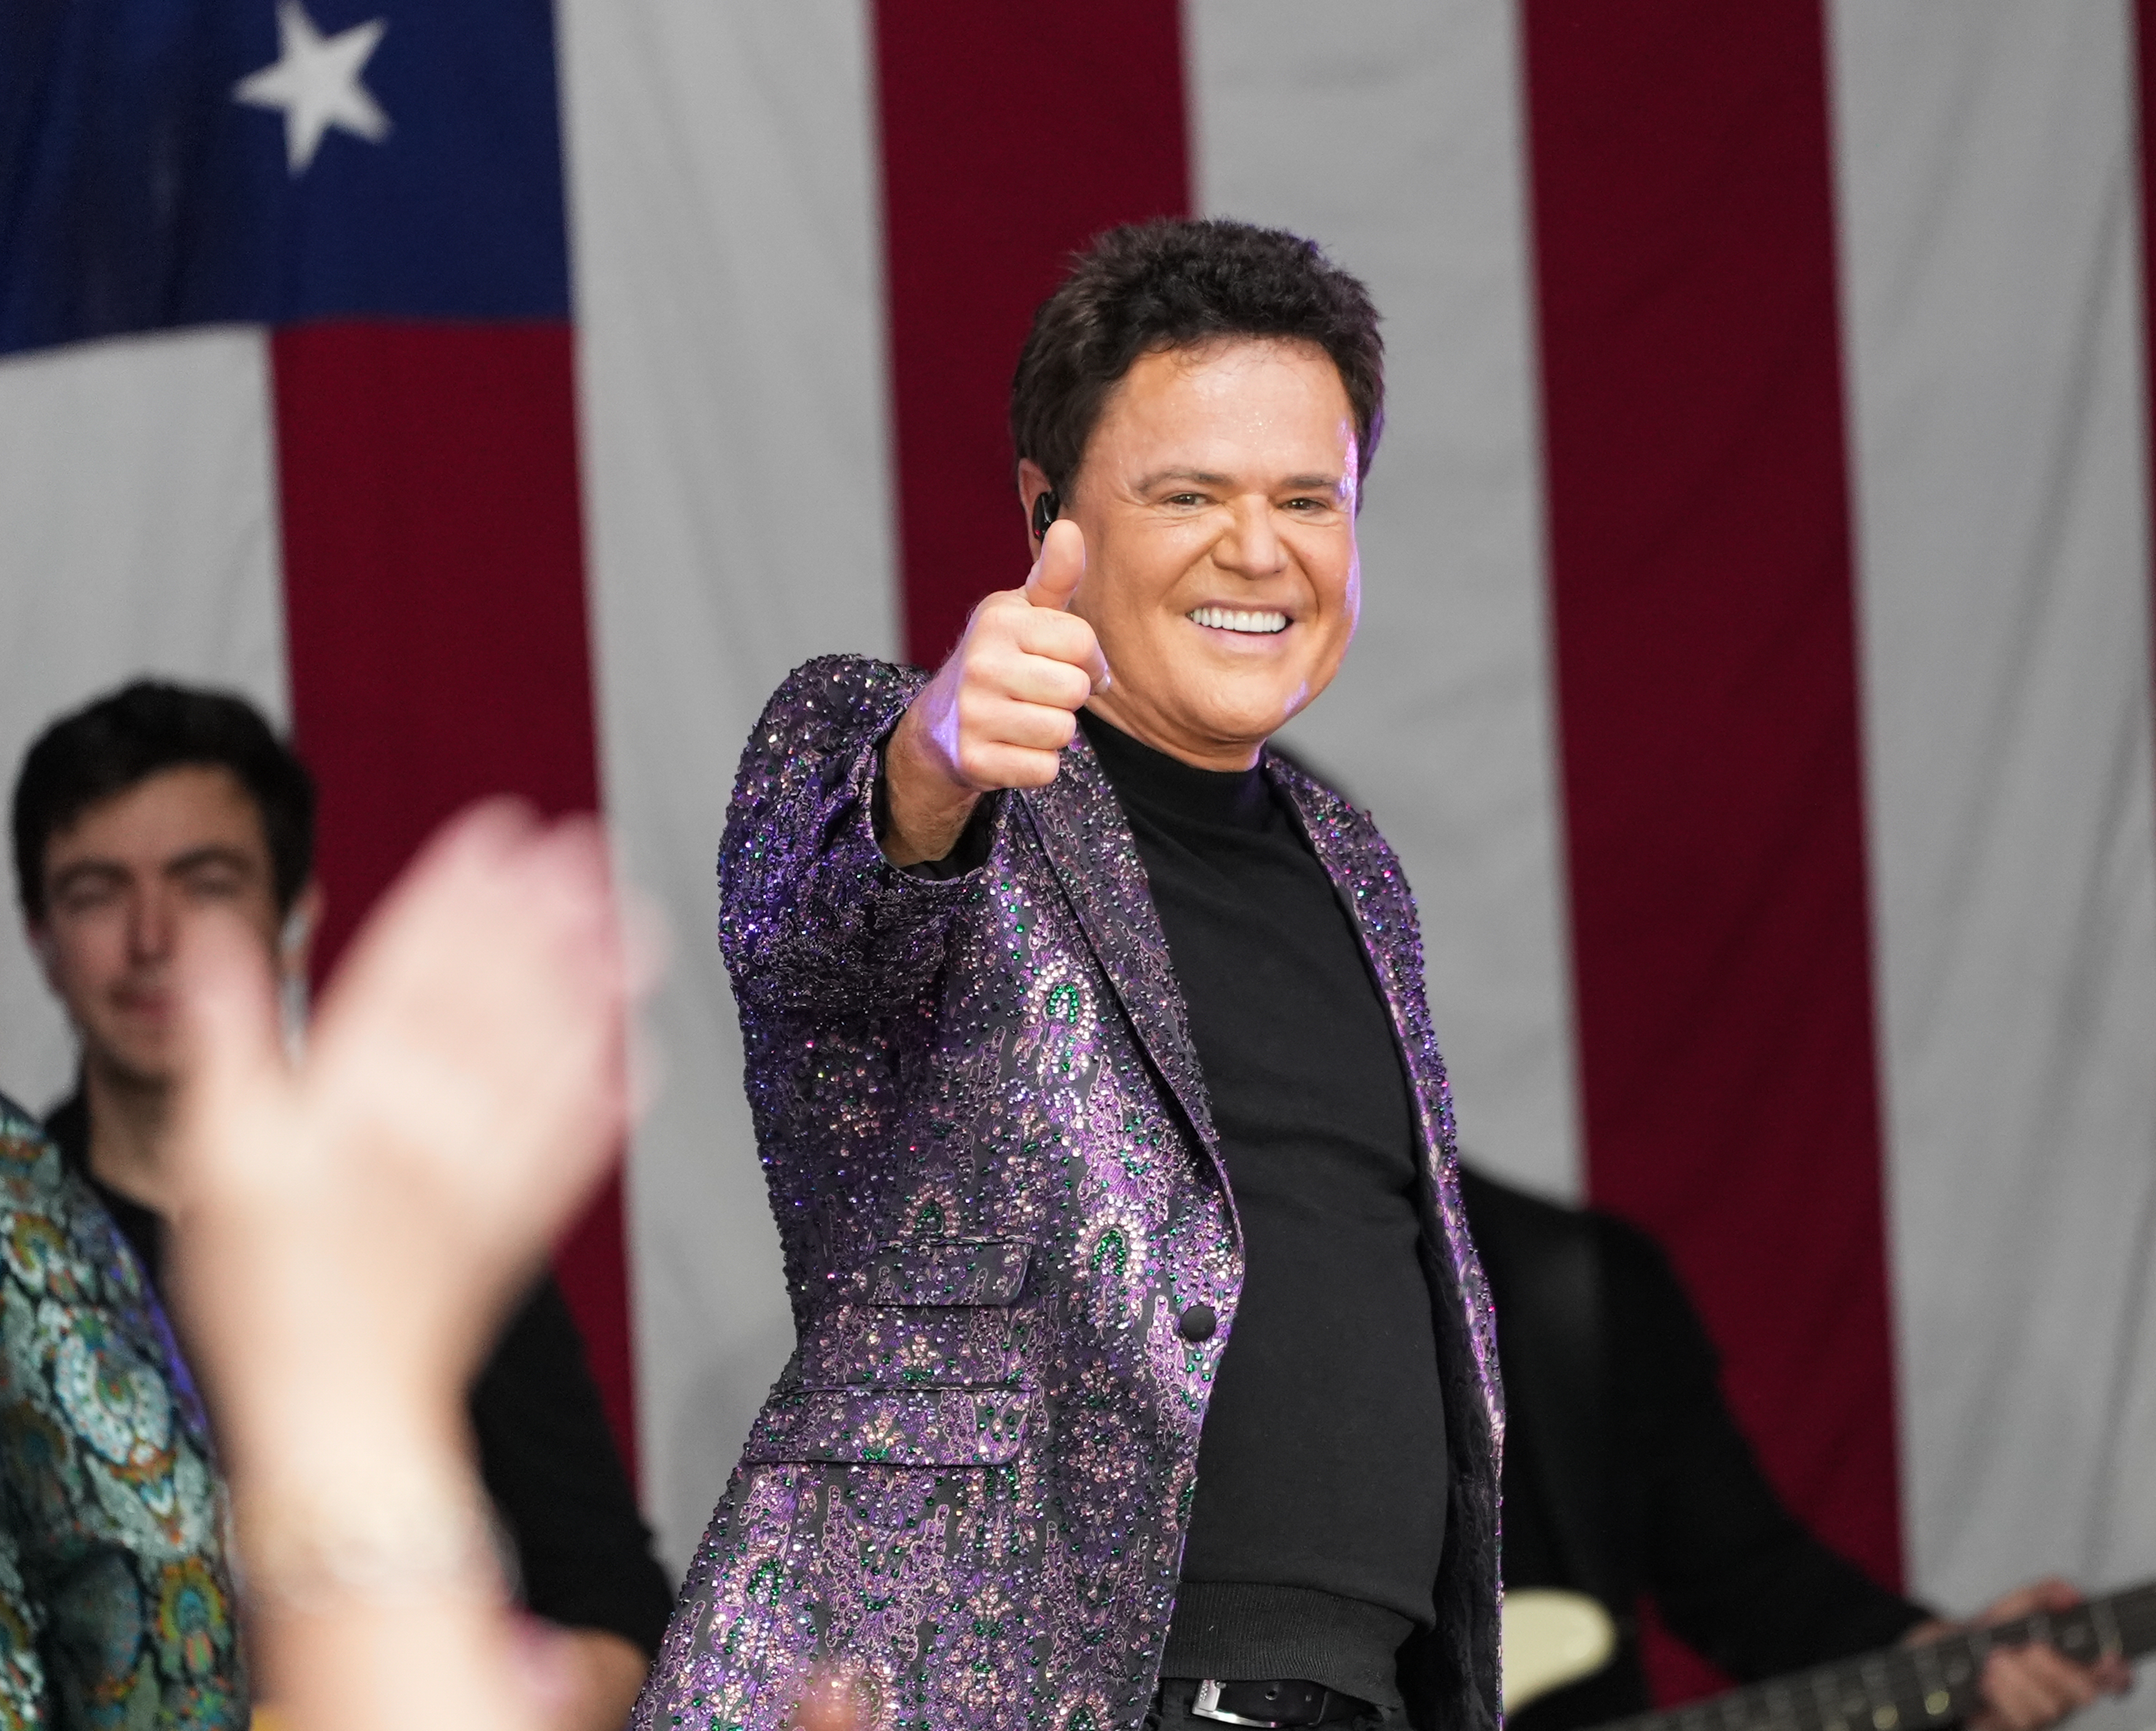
(1207,1706)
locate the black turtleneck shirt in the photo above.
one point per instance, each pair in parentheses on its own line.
(1322,1476)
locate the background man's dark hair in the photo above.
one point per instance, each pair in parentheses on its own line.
(143,729)
(1174,283)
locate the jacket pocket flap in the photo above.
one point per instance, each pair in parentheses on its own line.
(917,1427)
(950,1270)
(885,1346)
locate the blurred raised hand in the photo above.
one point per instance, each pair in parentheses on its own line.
(352,1229)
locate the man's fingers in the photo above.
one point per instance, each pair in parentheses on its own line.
(1001,710)
(2016,1700)
(492,983)
(1013,766)
(1095,663)
(227,1005)
(1001,726)
(1045,679)
(1067,638)
(2028,1688)
(1053,579)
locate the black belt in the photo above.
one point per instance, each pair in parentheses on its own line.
(1284,1700)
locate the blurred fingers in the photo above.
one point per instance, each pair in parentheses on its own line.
(234,1050)
(2048,1592)
(476,1036)
(2029,1688)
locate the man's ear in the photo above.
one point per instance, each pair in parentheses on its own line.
(1032,483)
(40,937)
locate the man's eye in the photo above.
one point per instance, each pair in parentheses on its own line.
(1186,499)
(213,887)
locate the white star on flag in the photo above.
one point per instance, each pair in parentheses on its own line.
(315,82)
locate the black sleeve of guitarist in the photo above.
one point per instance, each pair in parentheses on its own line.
(1733,1573)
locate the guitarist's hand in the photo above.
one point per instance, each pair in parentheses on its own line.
(2028,1688)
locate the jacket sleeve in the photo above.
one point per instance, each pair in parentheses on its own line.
(1736,1574)
(812,915)
(29,1486)
(549,1464)
(23,1701)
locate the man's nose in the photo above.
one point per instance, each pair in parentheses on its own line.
(1252,547)
(152,926)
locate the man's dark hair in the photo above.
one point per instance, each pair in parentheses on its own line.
(1174,283)
(124,738)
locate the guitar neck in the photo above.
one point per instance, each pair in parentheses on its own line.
(1917,1687)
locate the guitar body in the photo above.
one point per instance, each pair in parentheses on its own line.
(1552,1638)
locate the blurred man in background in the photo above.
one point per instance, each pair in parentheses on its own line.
(133,818)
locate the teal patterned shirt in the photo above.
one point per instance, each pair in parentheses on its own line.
(116,1605)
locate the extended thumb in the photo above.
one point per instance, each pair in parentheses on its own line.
(1061,564)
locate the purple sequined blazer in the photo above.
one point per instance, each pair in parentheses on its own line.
(992,1163)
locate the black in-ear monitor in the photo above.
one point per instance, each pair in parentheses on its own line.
(1046,508)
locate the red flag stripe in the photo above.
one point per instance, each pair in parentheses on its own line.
(435,616)
(2144,25)
(1011,135)
(1699,551)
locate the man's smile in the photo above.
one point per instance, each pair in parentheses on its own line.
(1260,624)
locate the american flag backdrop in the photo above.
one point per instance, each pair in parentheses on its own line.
(1755,672)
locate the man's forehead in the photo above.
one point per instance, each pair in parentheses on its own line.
(163,817)
(1281,404)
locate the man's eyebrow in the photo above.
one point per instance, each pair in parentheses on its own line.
(79,870)
(215,853)
(1203,477)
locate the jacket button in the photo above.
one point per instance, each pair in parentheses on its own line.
(1198,1322)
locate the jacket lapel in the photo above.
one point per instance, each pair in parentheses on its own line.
(1379,905)
(1373,909)
(1088,842)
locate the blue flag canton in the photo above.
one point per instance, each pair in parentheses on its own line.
(170,162)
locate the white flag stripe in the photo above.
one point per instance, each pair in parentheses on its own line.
(137,483)
(1394,136)
(731,372)
(1986,178)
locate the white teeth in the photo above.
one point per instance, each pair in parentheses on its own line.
(1227,618)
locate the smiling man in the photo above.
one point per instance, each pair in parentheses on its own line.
(1144,1374)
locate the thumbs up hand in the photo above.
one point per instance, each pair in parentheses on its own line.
(1000,711)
